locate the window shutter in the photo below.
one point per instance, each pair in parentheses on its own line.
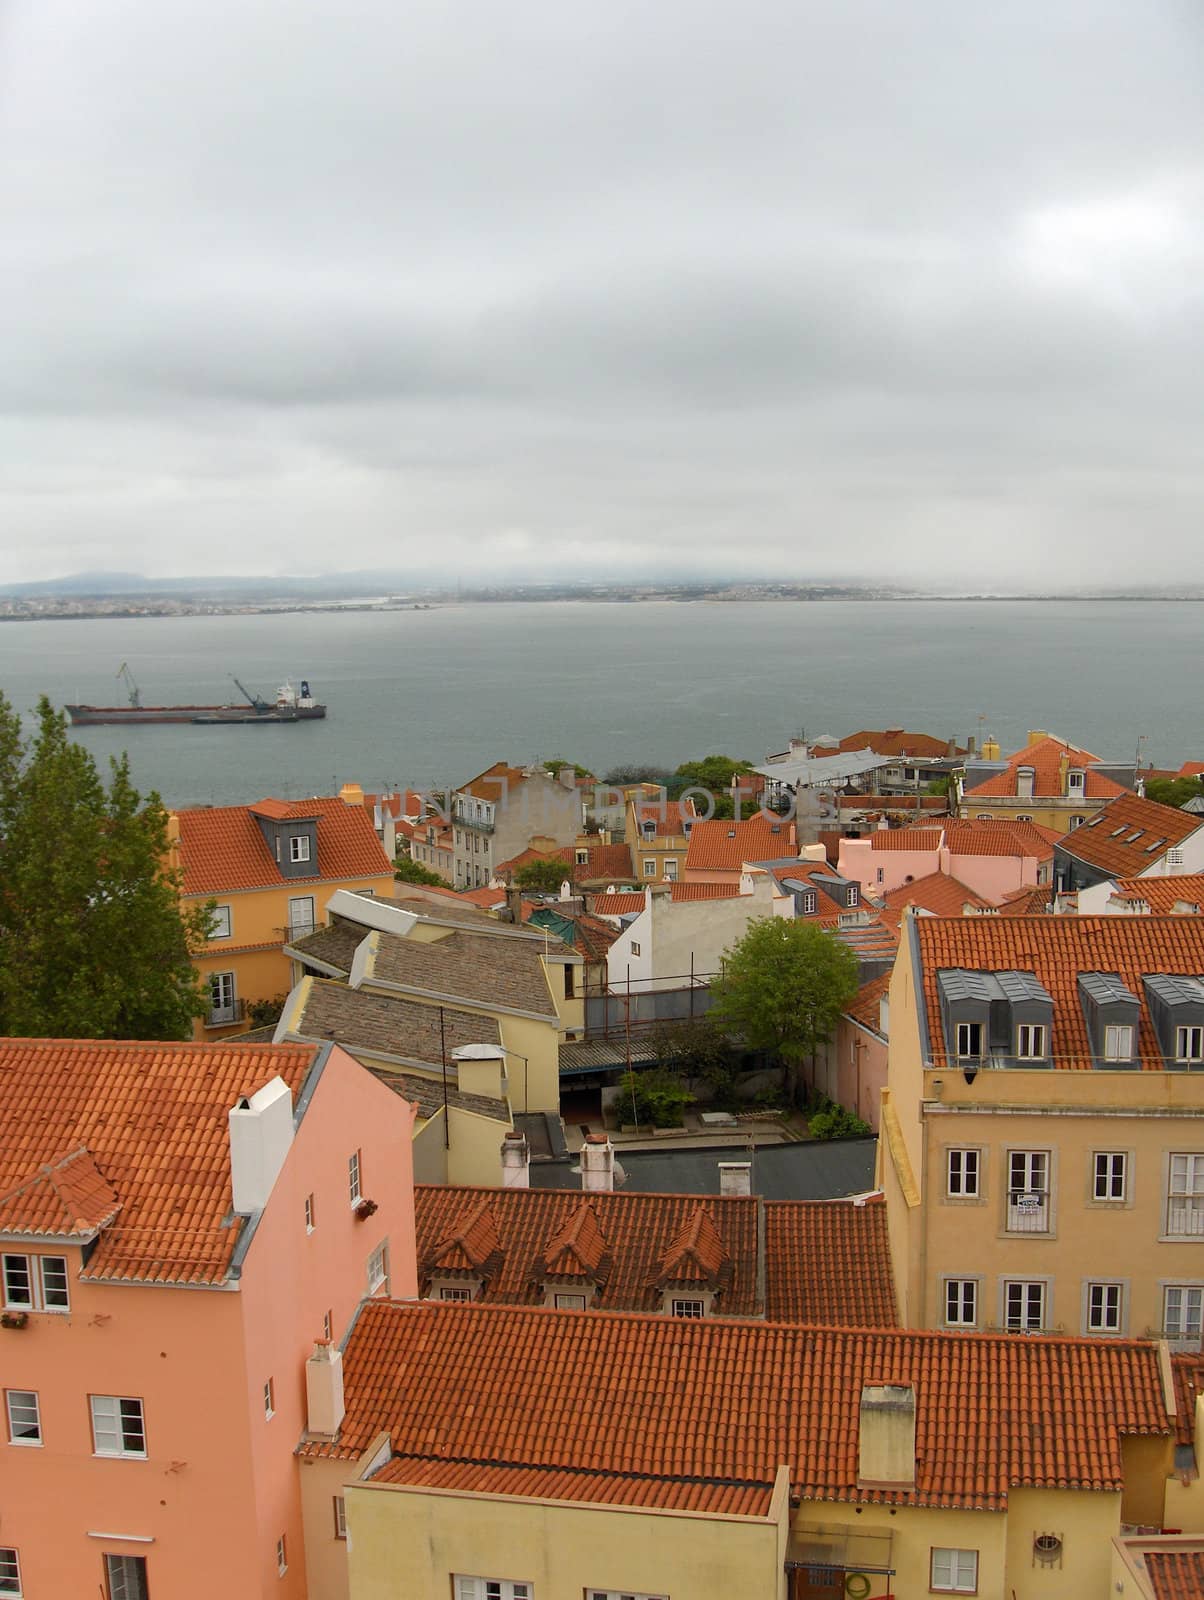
(466,1589)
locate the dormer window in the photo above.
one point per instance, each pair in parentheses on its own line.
(649,827)
(1189,1044)
(1075,781)
(298,847)
(851,896)
(969,1039)
(1025,777)
(583,858)
(1032,1041)
(809,903)
(1118,1041)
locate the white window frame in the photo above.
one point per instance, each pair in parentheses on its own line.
(1103,1307)
(108,1417)
(952,1571)
(10,1572)
(963,1172)
(466,1588)
(300,926)
(355,1177)
(1032,1289)
(309,1213)
(1035,1168)
(125,1577)
(1032,1041)
(23,1411)
(378,1268)
(222,1012)
(1189,1043)
(690,1307)
(649,866)
(635,947)
(671,869)
(1109,1172)
(42,1296)
(1118,1041)
(809,903)
(565,1301)
(1185,1195)
(966,1292)
(455,1293)
(340,1517)
(1188,1324)
(222,925)
(298,848)
(964,1037)
(269,1399)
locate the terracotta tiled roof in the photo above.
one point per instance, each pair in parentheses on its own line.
(868,936)
(483,969)
(1045,758)
(825,1261)
(617,904)
(1056,950)
(1189,1382)
(496,783)
(689,1403)
(1162,895)
(222,848)
(726,846)
(579,1248)
(365,1021)
(937,893)
(983,836)
(1128,835)
(829,1259)
(469,1247)
(140,1126)
(1175,1574)
(673,818)
(865,1006)
(696,1254)
(67,1197)
(703,891)
(607,862)
(906,839)
(898,742)
(1033,901)
(469,906)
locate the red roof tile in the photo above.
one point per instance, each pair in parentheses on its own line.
(1163,895)
(1175,1574)
(686,1402)
(1188,1373)
(1045,758)
(937,893)
(906,839)
(617,904)
(1056,950)
(825,1261)
(673,818)
(469,1246)
(704,891)
(726,846)
(865,1007)
(898,742)
(142,1127)
(696,1254)
(579,1247)
(999,836)
(1129,834)
(222,848)
(1034,900)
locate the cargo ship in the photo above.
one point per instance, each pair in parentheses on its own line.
(290,705)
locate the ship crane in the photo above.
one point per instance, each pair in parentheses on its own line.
(127,677)
(257,701)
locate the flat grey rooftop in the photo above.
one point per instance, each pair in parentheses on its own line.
(809,1170)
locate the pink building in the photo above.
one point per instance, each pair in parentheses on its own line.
(179,1223)
(851,1068)
(992,858)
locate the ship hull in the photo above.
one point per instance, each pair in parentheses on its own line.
(135,716)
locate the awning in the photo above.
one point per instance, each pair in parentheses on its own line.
(840,1547)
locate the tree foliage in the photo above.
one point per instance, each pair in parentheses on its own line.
(1173,791)
(407,870)
(93,941)
(713,773)
(543,875)
(783,986)
(555,765)
(633,772)
(654,1095)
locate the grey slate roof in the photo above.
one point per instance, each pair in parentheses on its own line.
(359,1019)
(427,1095)
(334,946)
(812,1170)
(476,967)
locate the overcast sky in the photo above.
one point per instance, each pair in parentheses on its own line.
(906,289)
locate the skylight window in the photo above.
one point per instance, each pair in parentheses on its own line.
(1135,835)
(1157,845)
(1115,834)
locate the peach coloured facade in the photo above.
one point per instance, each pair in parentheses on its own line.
(880,871)
(852,1069)
(218,1485)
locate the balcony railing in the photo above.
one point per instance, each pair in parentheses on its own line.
(1028,1211)
(1185,1216)
(224,1016)
(298,930)
(479,824)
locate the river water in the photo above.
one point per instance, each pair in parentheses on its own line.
(431,697)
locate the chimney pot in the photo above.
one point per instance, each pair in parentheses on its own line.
(887,1435)
(261,1135)
(324,1403)
(597,1164)
(735,1177)
(516,1161)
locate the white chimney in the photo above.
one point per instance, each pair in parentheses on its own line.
(597,1164)
(324,1391)
(516,1162)
(566,889)
(261,1134)
(746,883)
(735,1177)
(886,1439)
(814,852)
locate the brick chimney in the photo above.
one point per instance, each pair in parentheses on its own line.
(886,1437)
(324,1391)
(597,1164)
(261,1135)
(516,1161)
(735,1177)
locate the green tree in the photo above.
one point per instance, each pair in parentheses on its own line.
(93,941)
(556,765)
(654,1095)
(783,986)
(633,772)
(544,875)
(407,870)
(1173,791)
(712,773)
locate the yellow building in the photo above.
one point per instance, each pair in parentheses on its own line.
(1042,1136)
(514,988)
(271,868)
(657,832)
(497,1453)
(1049,782)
